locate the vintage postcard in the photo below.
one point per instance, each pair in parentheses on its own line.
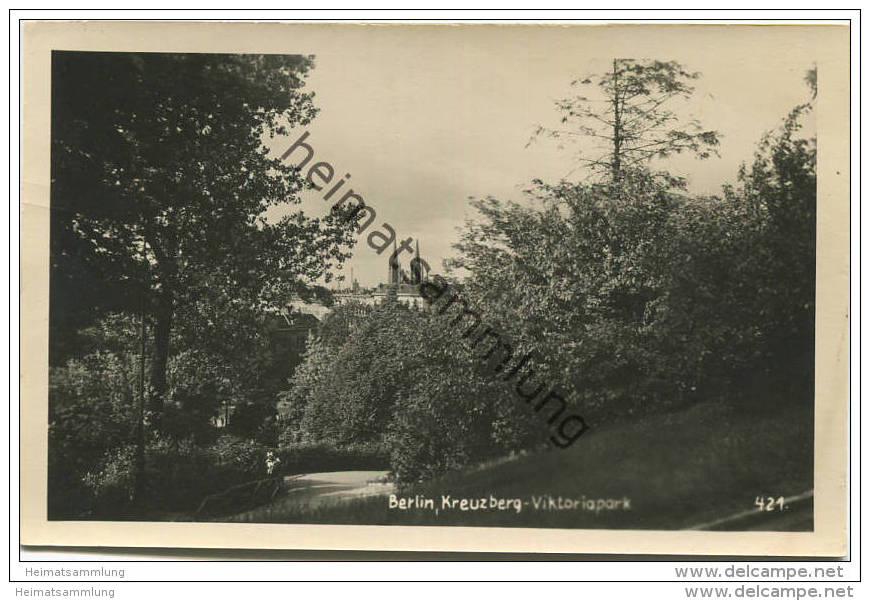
(436,287)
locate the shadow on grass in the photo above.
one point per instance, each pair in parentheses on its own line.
(676,470)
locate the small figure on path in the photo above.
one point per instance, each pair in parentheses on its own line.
(271,462)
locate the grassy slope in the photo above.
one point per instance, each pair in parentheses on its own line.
(678,470)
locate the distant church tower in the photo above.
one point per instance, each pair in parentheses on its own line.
(396,274)
(419,271)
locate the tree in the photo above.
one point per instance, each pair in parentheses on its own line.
(406,378)
(161,184)
(779,189)
(629,118)
(580,275)
(576,276)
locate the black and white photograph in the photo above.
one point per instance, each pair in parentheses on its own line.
(517,277)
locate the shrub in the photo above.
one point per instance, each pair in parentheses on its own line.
(111,487)
(315,457)
(91,412)
(181,474)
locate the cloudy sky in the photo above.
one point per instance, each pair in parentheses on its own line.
(424,117)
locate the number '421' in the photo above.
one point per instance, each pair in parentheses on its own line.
(770,503)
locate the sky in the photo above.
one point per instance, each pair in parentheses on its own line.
(424,117)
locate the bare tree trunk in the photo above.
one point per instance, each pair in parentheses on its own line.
(162,331)
(617,128)
(139,477)
(164,244)
(139,483)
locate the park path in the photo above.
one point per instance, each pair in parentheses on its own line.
(330,487)
(322,488)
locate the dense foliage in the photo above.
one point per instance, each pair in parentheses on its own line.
(629,296)
(171,213)
(161,186)
(406,379)
(633,296)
